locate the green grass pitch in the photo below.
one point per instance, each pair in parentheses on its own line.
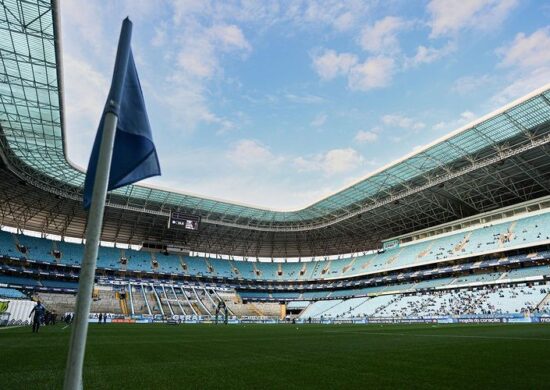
(156,356)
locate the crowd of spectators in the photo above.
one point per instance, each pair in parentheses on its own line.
(481,301)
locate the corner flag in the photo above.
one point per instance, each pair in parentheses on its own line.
(123,153)
(134,155)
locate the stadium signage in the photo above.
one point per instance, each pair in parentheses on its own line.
(183,221)
(392,244)
(123,321)
(389,320)
(479,320)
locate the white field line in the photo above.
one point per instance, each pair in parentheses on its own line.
(444,335)
(12,327)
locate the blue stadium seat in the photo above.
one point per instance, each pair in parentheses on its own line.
(11,293)
(525,231)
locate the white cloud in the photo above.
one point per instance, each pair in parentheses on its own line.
(330,64)
(364,136)
(465,117)
(333,162)
(159,38)
(427,55)
(381,37)
(200,49)
(319,120)
(341,15)
(192,45)
(336,14)
(521,84)
(344,21)
(198,59)
(469,84)
(86,89)
(229,36)
(84,18)
(402,122)
(375,72)
(188,9)
(338,161)
(527,51)
(249,153)
(449,17)
(185,101)
(196,50)
(528,61)
(252,172)
(304,99)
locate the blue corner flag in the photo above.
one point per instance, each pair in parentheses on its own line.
(134,155)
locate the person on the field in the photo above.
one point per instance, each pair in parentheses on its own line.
(100,318)
(104,318)
(38,311)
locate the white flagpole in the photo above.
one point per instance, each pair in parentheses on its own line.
(75,360)
(77,347)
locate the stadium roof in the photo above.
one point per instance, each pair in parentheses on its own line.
(495,161)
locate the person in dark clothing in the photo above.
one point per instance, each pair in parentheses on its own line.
(38,311)
(104,318)
(100,318)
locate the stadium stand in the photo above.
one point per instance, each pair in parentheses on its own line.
(520,232)
(11,293)
(519,299)
(18,280)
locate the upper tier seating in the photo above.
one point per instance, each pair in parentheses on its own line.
(7,245)
(11,293)
(35,248)
(438,283)
(71,254)
(527,231)
(59,284)
(169,264)
(19,280)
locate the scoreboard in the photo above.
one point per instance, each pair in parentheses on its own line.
(183,221)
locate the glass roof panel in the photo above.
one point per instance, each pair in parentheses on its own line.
(30,117)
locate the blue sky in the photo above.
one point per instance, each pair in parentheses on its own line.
(281,103)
